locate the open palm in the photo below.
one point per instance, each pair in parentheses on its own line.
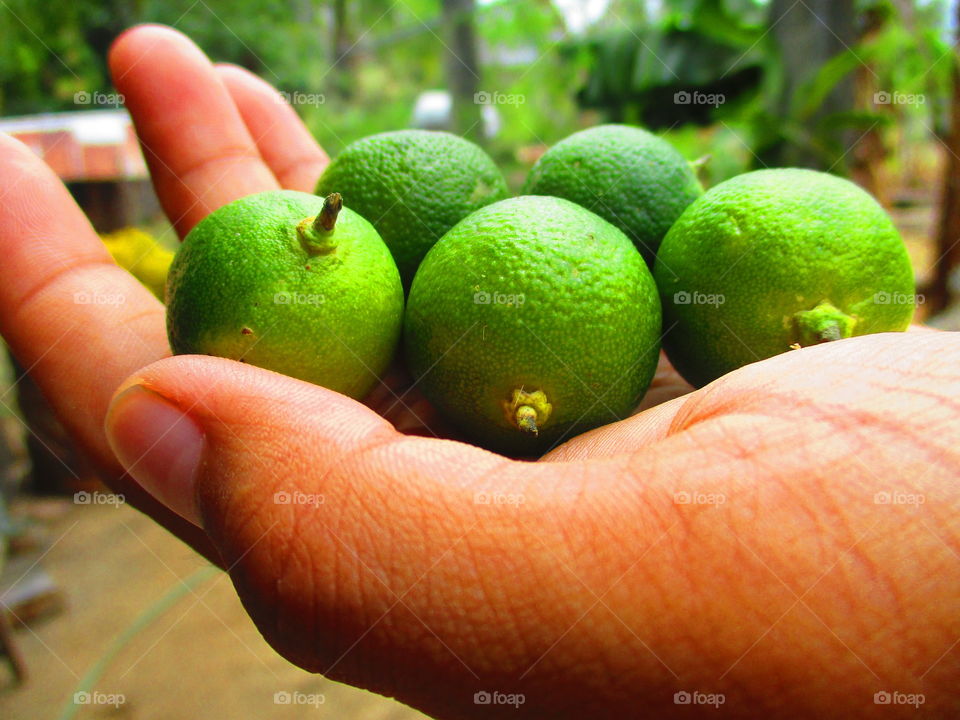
(785,539)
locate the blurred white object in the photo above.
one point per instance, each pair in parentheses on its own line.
(433,111)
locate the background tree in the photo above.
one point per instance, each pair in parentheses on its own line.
(948,231)
(461,66)
(808,35)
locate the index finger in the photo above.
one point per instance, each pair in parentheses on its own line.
(284,142)
(76,321)
(200,153)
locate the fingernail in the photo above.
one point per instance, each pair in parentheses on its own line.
(159,446)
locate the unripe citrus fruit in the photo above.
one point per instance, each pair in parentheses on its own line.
(413,185)
(625,174)
(531,321)
(290,282)
(775,259)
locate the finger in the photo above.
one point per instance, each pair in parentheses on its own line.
(666,385)
(650,423)
(366,556)
(326,513)
(611,440)
(199,151)
(78,323)
(284,142)
(216,394)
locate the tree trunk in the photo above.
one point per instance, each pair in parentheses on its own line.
(807,35)
(866,159)
(462,70)
(340,75)
(948,235)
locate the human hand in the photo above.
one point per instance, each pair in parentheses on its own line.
(583,584)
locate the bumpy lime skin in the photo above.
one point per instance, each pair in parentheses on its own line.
(244,286)
(413,185)
(756,250)
(540,294)
(628,176)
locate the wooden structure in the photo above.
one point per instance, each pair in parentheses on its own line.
(97,155)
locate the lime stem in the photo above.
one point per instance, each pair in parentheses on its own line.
(316,233)
(700,162)
(527,419)
(824,323)
(527,411)
(327,218)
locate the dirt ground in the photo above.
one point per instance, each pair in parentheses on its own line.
(203,658)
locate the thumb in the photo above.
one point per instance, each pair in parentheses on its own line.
(177,425)
(348,543)
(365,555)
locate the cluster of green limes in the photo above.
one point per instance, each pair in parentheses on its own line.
(531,319)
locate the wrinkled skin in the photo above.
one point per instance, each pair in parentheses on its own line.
(599,596)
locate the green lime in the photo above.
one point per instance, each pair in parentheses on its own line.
(290,282)
(628,176)
(413,185)
(532,320)
(774,259)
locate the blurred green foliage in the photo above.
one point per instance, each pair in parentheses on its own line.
(626,66)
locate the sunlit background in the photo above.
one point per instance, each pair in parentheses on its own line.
(860,88)
(868,89)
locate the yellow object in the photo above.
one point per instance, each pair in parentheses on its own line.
(142,256)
